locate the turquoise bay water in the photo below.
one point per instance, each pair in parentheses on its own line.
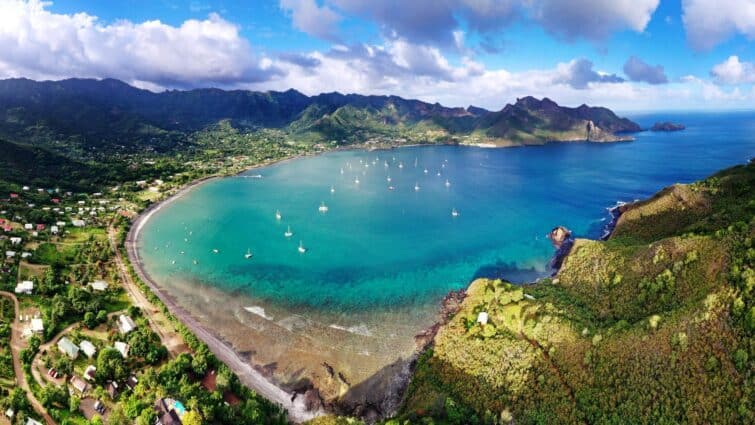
(377,249)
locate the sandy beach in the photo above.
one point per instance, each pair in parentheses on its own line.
(250,377)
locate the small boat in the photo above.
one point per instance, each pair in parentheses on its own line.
(391,188)
(278,215)
(173,262)
(400,165)
(248,254)
(425,171)
(448,183)
(323,208)
(301,248)
(332,189)
(356,180)
(416,187)
(182,252)
(388,179)
(288,232)
(341,170)
(195,262)
(454,213)
(385,164)
(215,251)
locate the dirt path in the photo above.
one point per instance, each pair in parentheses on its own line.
(17,345)
(169,337)
(552,367)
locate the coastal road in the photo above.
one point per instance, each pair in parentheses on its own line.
(17,345)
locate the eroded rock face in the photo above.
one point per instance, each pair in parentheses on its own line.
(559,235)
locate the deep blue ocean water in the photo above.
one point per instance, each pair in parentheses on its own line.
(380,249)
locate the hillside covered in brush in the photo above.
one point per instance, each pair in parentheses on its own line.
(655,325)
(109,113)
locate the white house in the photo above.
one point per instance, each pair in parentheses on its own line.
(30,421)
(25,254)
(25,287)
(122,348)
(37,326)
(482,318)
(88,348)
(78,223)
(28,226)
(54,229)
(15,240)
(125,324)
(67,347)
(10,254)
(99,285)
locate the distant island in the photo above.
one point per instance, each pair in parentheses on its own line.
(90,112)
(667,126)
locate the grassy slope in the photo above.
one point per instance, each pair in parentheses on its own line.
(655,325)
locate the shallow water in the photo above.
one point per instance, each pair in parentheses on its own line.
(379,260)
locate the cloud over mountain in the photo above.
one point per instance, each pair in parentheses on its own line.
(579,73)
(37,43)
(638,70)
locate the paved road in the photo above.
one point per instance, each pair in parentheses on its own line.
(17,345)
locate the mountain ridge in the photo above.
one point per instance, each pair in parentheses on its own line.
(95,109)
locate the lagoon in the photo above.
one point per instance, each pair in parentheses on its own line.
(378,262)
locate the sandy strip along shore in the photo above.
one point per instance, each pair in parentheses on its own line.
(250,377)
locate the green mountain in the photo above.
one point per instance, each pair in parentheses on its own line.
(654,325)
(103,113)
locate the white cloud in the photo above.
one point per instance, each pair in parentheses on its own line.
(37,43)
(389,69)
(709,22)
(592,19)
(307,16)
(732,71)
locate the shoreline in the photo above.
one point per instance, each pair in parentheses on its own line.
(293,402)
(247,374)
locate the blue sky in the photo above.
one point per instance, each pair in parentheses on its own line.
(627,54)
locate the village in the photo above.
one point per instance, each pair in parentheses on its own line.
(81,342)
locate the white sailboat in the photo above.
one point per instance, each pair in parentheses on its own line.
(332,189)
(388,179)
(278,215)
(448,183)
(454,213)
(301,248)
(425,171)
(400,165)
(323,208)
(356,180)
(248,254)
(288,233)
(416,187)
(215,251)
